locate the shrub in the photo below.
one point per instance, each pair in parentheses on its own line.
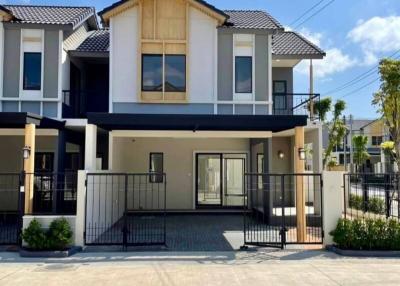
(374,205)
(367,234)
(59,234)
(35,236)
(57,237)
(355,202)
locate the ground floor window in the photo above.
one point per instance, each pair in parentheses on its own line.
(156,167)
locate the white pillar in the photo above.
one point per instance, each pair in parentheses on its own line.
(332,202)
(90,147)
(80,209)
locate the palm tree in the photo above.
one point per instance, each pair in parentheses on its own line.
(360,149)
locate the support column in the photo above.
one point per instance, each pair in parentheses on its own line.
(300,194)
(90,147)
(58,193)
(29,167)
(268,201)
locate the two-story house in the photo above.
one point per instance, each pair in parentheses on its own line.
(173,86)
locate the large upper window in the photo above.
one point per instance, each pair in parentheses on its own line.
(158,68)
(175,73)
(243,74)
(152,72)
(32,71)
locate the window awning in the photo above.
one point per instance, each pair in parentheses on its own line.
(273,123)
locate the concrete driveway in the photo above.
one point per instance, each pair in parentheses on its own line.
(263,267)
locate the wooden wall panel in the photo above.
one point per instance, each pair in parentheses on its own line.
(171,20)
(175,49)
(152,48)
(148,19)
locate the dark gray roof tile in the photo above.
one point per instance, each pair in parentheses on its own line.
(56,15)
(97,41)
(251,19)
(291,43)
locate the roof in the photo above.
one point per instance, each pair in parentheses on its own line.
(97,41)
(20,119)
(195,122)
(251,19)
(202,2)
(293,44)
(52,15)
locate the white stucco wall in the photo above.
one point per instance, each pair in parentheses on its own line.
(124,56)
(132,156)
(202,57)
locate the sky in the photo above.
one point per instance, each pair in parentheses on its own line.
(355,34)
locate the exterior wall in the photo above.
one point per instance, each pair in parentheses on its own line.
(285,165)
(281,73)
(12,45)
(124,57)
(51,64)
(225,63)
(314,136)
(132,155)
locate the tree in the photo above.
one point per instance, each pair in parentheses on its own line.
(360,149)
(322,108)
(387,99)
(336,130)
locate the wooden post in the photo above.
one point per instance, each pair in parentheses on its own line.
(300,194)
(29,167)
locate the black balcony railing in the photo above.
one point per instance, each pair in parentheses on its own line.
(77,103)
(296,104)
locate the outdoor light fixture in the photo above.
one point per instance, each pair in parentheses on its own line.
(302,153)
(26,151)
(281,155)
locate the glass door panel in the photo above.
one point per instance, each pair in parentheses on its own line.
(234,169)
(209,180)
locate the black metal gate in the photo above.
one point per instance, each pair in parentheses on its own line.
(10,215)
(270,217)
(125,209)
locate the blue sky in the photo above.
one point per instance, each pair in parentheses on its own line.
(354,33)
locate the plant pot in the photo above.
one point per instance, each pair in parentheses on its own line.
(363,253)
(24,252)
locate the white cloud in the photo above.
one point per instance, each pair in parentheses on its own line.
(376,36)
(335,61)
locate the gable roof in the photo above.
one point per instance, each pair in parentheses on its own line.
(251,19)
(51,15)
(97,41)
(122,2)
(292,44)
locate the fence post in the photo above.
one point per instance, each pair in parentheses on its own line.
(332,204)
(283,227)
(388,183)
(80,209)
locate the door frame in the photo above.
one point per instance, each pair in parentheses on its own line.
(195,173)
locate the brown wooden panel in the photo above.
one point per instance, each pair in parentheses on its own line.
(148,19)
(175,49)
(152,48)
(171,20)
(175,96)
(152,96)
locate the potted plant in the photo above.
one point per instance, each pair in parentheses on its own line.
(53,242)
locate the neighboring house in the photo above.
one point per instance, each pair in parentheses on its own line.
(179,87)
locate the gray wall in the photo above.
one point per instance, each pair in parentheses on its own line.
(12,44)
(225,65)
(51,58)
(284,74)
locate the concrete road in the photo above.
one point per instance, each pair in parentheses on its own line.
(266,267)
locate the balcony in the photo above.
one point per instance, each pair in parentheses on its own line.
(296,104)
(77,103)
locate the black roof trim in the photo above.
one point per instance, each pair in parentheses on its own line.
(185,122)
(20,119)
(116,4)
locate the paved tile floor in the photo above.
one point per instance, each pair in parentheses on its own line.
(262,267)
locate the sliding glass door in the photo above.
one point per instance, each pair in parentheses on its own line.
(220,180)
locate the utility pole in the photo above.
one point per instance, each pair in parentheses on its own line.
(351,144)
(311,90)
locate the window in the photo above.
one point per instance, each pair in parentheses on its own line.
(152,69)
(156,167)
(32,78)
(279,91)
(243,74)
(377,140)
(44,162)
(175,73)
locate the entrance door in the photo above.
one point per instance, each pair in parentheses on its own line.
(220,180)
(209,179)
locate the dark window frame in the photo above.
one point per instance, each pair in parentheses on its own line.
(156,177)
(165,71)
(24,84)
(376,140)
(251,77)
(280,95)
(142,67)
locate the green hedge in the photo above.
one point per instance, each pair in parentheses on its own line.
(57,237)
(367,234)
(374,205)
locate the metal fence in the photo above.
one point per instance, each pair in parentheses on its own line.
(10,217)
(53,193)
(371,196)
(270,217)
(125,209)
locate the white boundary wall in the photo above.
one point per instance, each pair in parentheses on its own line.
(332,202)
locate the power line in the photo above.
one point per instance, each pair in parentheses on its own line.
(314,14)
(306,12)
(360,88)
(359,78)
